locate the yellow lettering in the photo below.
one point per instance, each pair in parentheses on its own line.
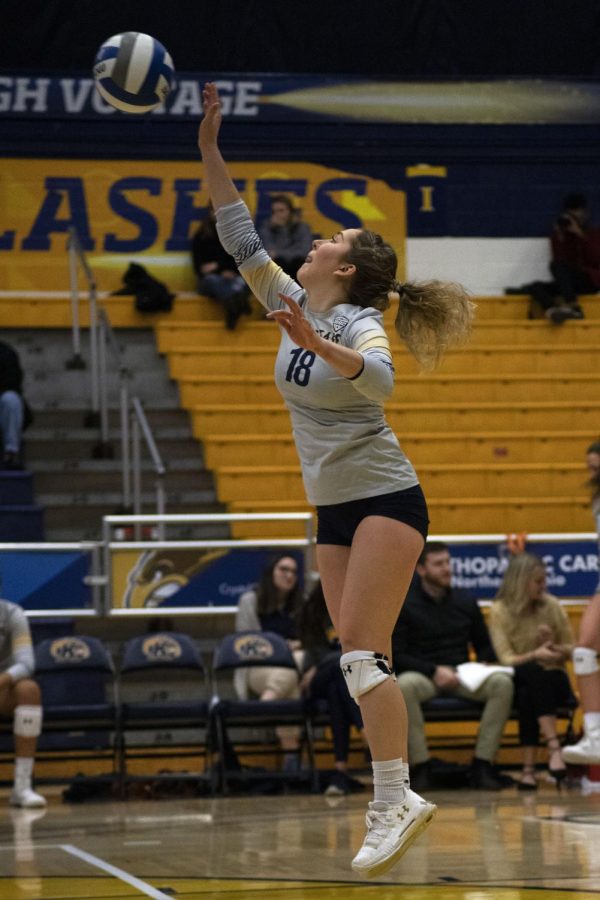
(426,198)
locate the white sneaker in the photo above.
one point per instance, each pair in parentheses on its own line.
(586,752)
(391,829)
(26,798)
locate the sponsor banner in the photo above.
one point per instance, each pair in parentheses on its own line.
(147,211)
(310,98)
(196,578)
(571,566)
(46,579)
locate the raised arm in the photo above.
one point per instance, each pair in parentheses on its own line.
(220,186)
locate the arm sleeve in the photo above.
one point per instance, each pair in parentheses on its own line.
(504,651)
(23,664)
(376,378)
(240,239)
(480,637)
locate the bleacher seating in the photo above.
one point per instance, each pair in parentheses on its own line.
(497,434)
(21,518)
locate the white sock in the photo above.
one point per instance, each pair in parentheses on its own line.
(23,772)
(390,780)
(591,723)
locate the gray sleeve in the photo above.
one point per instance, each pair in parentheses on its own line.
(246,617)
(240,239)
(23,662)
(366,334)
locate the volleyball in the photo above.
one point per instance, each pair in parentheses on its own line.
(133,72)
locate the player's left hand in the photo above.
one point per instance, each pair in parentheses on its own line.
(293,321)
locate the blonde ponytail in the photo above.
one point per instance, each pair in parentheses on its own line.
(432,317)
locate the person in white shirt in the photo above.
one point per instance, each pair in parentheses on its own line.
(334,369)
(20,698)
(585,654)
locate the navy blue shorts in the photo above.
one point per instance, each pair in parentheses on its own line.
(337,522)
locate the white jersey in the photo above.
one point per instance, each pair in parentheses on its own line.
(347,450)
(16,650)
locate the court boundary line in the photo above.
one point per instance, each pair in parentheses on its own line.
(115,871)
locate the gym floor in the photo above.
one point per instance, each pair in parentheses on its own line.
(507,846)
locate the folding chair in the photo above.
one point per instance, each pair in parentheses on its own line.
(164,710)
(76,677)
(246,649)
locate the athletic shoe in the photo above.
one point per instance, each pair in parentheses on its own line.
(586,752)
(391,829)
(559,314)
(26,798)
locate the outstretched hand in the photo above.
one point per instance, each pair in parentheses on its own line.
(293,321)
(210,124)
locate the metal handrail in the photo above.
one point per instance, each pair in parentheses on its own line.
(78,257)
(140,427)
(306,544)
(133,421)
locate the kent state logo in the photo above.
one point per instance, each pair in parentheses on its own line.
(69,649)
(253,646)
(161,647)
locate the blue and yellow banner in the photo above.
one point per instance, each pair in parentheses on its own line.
(147,211)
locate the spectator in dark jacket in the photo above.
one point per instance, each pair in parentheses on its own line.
(217,274)
(436,631)
(287,239)
(575,262)
(14,412)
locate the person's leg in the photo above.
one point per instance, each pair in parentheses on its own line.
(528,725)
(276,683)
(571,281)
(11,423)
(23,701)
(587,670)
(496,693)
(416,689)
(365,587)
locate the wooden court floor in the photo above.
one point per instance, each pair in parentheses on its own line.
(508,846)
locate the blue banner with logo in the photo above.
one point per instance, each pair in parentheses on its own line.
(193,578)
(313,98)
(571,566)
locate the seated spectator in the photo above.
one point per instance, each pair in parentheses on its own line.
(217,274)
(20,698)
(323,679)
(435,631)
(575,265)
(531,631)
(272,607)
(287,239)
(15,414)
(575,262)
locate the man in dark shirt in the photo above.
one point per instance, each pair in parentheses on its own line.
(436,629)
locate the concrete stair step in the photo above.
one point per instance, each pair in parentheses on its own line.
(110,480)
(73,416)
(84,523)
(112,500)
(73,451)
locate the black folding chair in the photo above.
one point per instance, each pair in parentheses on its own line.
(76,677)
(165,705)
(233,717)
